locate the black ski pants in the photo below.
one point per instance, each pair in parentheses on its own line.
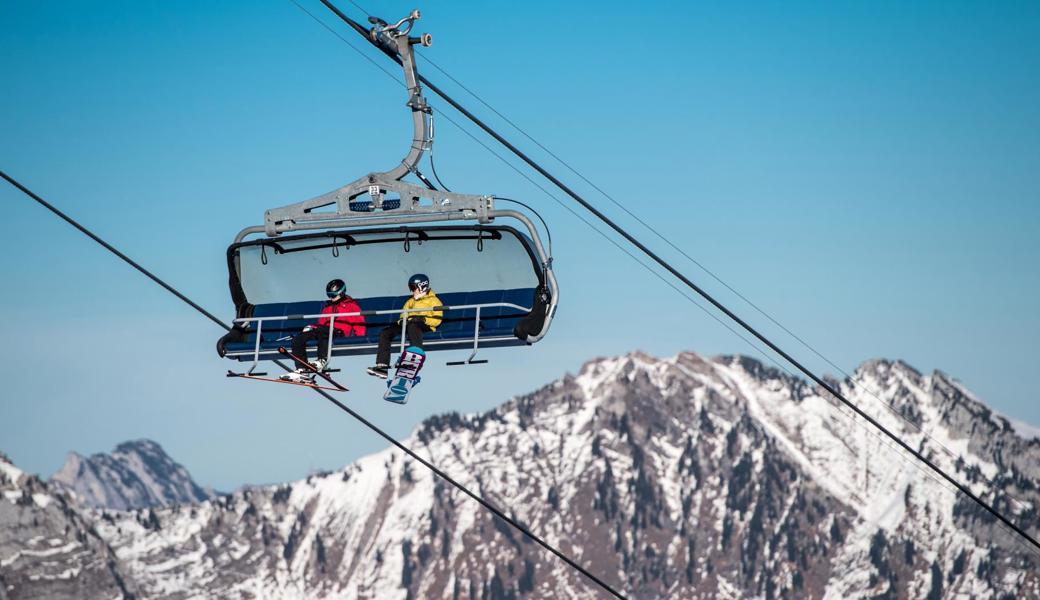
(320,333)
(415,331)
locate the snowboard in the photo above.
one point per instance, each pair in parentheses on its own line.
(406,375)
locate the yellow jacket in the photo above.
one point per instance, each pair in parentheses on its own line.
(432,317)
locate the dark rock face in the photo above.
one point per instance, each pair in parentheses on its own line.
(137,474)
(680,478)
(48,548)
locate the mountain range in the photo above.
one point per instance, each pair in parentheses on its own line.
(684,477)
(137,474)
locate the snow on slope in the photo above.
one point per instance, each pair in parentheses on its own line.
(682,478)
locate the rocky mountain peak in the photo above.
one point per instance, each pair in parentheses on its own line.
(882,368)
(48,547)
(9,474)
(682,477)
(137,474)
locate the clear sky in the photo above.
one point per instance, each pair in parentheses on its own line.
(869,173)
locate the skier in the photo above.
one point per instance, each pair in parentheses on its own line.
(416,323)
(338,302)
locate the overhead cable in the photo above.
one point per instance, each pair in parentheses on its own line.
(487,505)
(909,460)
(853,379)
(856,381)
(113,250)
(690,284)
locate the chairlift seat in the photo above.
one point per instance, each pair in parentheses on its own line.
(454,333)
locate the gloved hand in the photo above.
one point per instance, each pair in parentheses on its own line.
(309,328)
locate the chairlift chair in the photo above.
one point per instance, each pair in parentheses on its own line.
(495,280)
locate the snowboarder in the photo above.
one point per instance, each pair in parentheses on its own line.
(415,323)
(338,302)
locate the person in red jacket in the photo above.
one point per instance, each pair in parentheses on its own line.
(338,302)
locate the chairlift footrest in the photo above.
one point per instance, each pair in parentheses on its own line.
(233,374)
(456,363)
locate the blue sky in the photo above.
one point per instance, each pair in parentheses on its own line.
(870,174)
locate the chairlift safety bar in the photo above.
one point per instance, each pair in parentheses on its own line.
(332,322)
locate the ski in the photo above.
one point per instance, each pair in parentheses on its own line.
(300,383)
(310,367)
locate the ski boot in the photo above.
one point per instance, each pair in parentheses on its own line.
(300,375)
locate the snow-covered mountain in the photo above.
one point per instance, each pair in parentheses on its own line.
(137,474)
(681,478)
(48,545)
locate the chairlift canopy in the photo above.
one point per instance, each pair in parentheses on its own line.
(491,270)
(377,262)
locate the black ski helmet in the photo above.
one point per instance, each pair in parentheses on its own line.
(420,282)
(335,288)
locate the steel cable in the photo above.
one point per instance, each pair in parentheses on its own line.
(855,381)
(490,507)
(693,286)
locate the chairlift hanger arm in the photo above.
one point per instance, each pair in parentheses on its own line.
(397,35)
(396,42)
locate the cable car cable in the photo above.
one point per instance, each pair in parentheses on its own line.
(357,416)
(630,255)
(908,459)
(492,508)
(929,474)
(690,284)
(113,250)
(856,381)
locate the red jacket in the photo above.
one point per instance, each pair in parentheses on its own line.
(346,325)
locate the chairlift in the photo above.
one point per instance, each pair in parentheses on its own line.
(495,279)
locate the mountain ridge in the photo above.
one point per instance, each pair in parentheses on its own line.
(136,474)
(684,477)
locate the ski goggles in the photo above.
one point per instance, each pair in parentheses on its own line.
(336,293)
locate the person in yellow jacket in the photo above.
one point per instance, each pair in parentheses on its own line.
(416,323)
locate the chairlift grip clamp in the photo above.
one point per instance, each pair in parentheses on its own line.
(484,208)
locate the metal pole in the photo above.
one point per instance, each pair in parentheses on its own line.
(256,348)
(476,335)
(332,332)
(404,329)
